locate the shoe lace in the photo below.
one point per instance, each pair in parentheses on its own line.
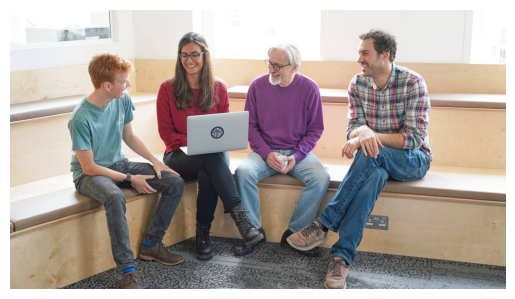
(203,234)
(130,277)
(336,267)
(240,216)
(311,228)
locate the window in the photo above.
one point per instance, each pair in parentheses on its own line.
(488,45)
(245,34)
(32,27)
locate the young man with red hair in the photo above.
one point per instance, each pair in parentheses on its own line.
(97,127)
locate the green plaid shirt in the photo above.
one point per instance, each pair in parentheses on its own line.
(401,107)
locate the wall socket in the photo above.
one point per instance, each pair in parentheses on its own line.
(377,222)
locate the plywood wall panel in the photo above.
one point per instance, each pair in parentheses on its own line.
(41,84)
(440,77)
(441,228)
(457,136)
(152,72)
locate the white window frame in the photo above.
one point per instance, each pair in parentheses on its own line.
(112,26)
(203,22)
(467,40)
(468,43)
(67,54)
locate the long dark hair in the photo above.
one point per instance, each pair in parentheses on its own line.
(182,91)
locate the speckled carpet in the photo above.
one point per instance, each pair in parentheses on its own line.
(273,267)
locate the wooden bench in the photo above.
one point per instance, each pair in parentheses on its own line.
(61,237)
(457,212)
(329,95)
(62,105)
(451,214)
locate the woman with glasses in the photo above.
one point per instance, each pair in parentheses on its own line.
(195,91)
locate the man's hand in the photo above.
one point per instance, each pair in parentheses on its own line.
(369,141)
(139,182)
(160,166)
(291,163)
(273,161)
(350,147)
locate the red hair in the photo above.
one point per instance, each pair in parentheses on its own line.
(103,67)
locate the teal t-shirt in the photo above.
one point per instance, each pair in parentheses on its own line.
(100,130)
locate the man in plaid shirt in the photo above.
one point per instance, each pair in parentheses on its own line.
(387,125)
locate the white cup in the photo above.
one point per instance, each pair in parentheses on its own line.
(285,163)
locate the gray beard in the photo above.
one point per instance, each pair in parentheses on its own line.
(271,80)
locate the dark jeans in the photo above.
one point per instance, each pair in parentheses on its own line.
(108,192)
(214,179)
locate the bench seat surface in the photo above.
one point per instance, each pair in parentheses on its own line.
(49,107)
(43,201)
(461,100)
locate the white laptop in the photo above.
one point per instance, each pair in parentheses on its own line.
(213,133)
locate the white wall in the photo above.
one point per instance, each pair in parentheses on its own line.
(157,33)
(422,36)
(78,53)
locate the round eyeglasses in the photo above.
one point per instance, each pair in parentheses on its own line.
(194,56)
(276,67)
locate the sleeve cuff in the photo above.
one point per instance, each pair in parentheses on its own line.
(264,151)
(406,138)
(299,156)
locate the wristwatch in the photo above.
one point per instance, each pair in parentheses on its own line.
(128,179)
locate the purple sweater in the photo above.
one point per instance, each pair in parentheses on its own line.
(284,117)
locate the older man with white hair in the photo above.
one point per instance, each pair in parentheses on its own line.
(285,123)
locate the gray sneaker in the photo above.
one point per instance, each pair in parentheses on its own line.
(336,277)
(130,280)
(309,237)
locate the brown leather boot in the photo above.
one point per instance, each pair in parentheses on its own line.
(130,280)
(160,254)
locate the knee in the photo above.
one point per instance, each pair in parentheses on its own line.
(174,183)
(216,157)
(320,177)
(323,176)
(362,160)
(360,155)
(114,198)
(244,173)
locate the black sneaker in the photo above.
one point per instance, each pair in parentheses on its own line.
(204,248)
(242,250)
(284,244)
(250,234)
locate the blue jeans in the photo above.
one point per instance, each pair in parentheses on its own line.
(350,208)
(310,171)
(108,192)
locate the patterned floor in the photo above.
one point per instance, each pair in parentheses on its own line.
(274,267)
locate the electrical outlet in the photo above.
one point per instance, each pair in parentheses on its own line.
(377,222)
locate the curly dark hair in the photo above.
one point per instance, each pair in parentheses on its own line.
(383,41)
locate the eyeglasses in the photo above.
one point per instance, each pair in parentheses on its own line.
(275,66)
(194,56)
